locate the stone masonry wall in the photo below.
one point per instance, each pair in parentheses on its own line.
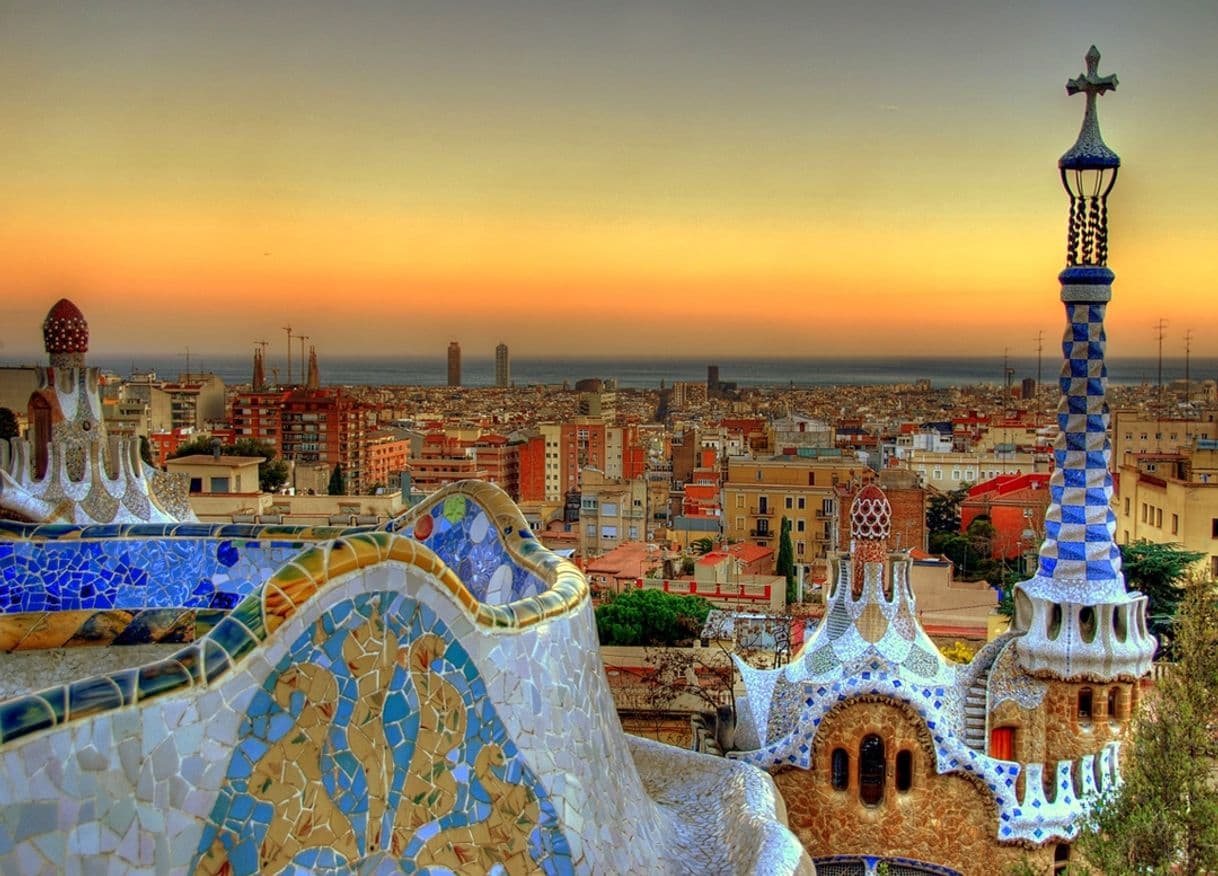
(942,819)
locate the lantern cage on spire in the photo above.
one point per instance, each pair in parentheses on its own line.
(1088,172)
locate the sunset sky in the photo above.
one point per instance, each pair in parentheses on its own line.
(704,178)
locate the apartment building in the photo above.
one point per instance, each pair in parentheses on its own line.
(757,494)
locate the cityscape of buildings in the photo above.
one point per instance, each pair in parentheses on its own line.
(599,623)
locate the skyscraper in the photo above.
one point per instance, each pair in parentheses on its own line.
(503,368)
(454,363)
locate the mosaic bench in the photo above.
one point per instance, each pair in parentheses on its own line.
(429,694)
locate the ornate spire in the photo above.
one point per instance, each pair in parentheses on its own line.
(870,525)
(65,335)
(1077,618)
(1088,171)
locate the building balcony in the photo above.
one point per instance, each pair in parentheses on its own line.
(761,512)
(761,533)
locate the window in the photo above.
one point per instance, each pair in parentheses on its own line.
(839,769)
(608,532)
(219,485)
(1084,703)
(1113,702)
(826,506)
(1002,743)
(904,770)
(1214,528)
(609,509)
(1159,517)
(1061,858)
(800,503)
(799,525)
(871,770)
(1126,506)
(790,502)
(1175,524)
(740,500)
(799,548)
(196,485)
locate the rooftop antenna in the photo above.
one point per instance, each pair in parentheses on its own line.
(1188,384)
(288,329)
(1160,330)
(1040,349)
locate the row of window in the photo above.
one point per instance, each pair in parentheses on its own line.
(872,770)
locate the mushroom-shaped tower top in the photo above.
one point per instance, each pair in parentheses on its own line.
(870,515)
(65,335)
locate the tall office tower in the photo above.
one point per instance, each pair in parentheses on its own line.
(503,368)
(712,380)
(454,363)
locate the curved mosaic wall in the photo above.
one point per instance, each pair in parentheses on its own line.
(363,709)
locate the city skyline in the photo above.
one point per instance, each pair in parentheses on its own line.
(644,180)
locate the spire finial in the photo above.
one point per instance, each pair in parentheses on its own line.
(1089,151)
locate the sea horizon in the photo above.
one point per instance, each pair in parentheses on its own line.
(637,372)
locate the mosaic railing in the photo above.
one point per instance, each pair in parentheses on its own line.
(368,709)
(63,585)
(501,559)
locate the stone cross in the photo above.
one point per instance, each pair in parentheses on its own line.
(1091,82)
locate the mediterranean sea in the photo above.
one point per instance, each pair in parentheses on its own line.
(643,373)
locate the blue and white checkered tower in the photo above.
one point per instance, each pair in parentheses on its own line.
(1077,619)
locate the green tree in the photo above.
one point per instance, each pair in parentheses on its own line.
(1158,570)
(943,511)
(1164,818)
(702,545)
(8,424)
(651,617)
(786,558)
(338,483)
(272,471)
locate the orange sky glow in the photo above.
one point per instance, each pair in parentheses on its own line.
(648,180)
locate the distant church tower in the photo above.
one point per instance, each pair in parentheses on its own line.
(454,363)
(259,381)
(314,379)
(1080,623)
(503,367)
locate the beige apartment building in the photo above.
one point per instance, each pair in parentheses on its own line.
(1135,432)
(612,511)
(1172,498)
(759,493)
(950,471)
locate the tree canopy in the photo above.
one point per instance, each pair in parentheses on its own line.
(272,471)
(1159,571)
(786,558)
(1163,819)
(651,617)
(943,511)
(338,483)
